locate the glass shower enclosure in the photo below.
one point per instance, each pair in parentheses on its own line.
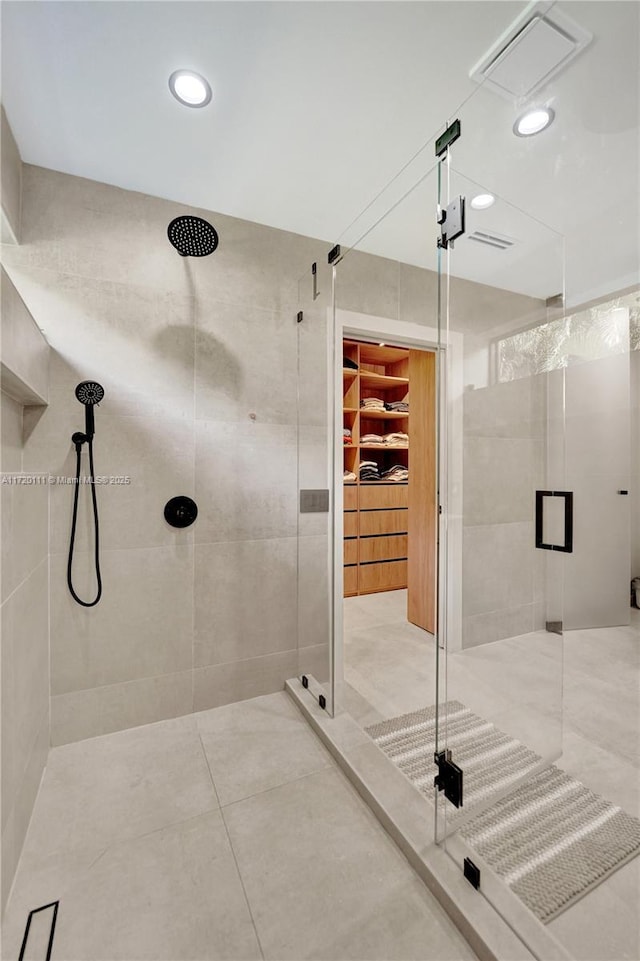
(524,532)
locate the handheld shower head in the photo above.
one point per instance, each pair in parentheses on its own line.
(89,393)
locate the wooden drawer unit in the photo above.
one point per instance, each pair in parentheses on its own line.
(381,522)
(351,551)
(350,523)
(350,498)
(379,496)
(386,576)
(350,581)
(388,548)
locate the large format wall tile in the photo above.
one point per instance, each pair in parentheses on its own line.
(150,460)
(496,625)
(501,475)
(188,349)
(129,337)
(24,349)
(313,592)
(246,481)
(221,684)
(245,363)
(516,408)
(25,519)
(11,433)
(368,285)
(25,675)
(313,374)
(497,567)
(11,183)
(101,710)
(14,831)
(94,230)
(245,599)
(142,626)
(417,295)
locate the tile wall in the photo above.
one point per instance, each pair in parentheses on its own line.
(198,362)
(24,578)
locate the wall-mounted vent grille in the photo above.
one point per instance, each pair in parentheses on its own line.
(539,43)
(492,240)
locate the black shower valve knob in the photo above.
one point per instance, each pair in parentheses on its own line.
(180,511)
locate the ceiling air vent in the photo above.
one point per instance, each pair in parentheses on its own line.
(540,43)
(492,240)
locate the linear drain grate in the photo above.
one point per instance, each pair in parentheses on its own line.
(41,933)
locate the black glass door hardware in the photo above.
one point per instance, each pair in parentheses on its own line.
(471,873)
(445,139)
(567,547)
(452,222)
(448,778)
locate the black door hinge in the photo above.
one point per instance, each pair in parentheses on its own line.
(445,139)
(451,221)
(448,778)
(472,873)
(299,317)
(322,701)
(334,255)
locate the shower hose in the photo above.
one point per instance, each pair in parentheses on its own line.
(75,521)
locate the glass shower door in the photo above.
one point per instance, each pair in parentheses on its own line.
(506,521)
(316,564)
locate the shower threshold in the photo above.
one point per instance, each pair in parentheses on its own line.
(489,923)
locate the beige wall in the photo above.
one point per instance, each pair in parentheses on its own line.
(24,580)
(10,182)
(187,350)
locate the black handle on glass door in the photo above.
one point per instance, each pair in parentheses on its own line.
(567,547)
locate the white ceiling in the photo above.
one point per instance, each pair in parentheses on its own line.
(317,105)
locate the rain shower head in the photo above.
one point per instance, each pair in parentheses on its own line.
(192,236)
(88,393)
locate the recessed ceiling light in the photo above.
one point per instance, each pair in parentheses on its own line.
(190,88)
(482,201)
(533,121)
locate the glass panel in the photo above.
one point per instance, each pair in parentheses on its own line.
(385,310)
(527,365)
(502,684)
(315,548)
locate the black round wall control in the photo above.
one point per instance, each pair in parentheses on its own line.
(180,511)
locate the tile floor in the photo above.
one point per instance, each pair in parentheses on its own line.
(228,834)
(580,699)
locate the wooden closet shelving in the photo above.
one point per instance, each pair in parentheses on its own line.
(375,512)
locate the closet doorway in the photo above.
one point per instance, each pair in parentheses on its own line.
(389,443)
(386,526)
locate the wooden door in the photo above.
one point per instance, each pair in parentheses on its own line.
(421,555)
